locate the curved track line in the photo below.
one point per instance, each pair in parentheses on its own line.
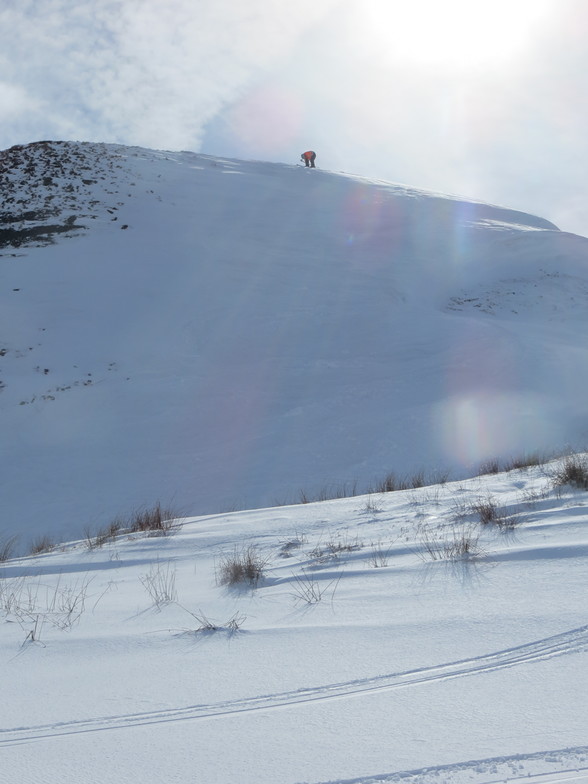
(577,775)
(499,768)
(574,641)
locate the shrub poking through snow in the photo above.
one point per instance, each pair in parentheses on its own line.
(104,535)
(310,590)
(206,625)
(460,543)
(160,583)
(380,555)
(42,544)
(156,520)
(487,509)
(242,566)
(520,463)
(491,514)
(373,506)
(531,460)
(493,466)
(573,471)
(7,548)
(391,484)
(335,547)
(292,544)
(32,604)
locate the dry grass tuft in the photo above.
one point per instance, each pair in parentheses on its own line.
(242,566)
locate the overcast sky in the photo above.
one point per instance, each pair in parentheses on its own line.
(487,100)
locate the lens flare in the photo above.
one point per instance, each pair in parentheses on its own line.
(267,119)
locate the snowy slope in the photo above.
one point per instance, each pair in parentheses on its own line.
(216,333)
(223,334)
(365,652)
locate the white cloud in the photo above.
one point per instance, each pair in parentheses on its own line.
(14,101)
(138,71)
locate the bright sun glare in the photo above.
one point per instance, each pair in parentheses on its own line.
(458,33)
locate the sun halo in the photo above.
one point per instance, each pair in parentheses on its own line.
(452,33)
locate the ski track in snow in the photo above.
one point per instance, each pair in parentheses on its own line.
(574,641)
(580,775)
(497,770)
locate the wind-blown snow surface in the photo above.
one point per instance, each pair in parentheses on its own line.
(364,654)
(222,334)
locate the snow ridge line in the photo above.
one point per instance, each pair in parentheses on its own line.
(574,641)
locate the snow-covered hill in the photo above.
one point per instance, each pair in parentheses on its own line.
(216,333)
(224,334)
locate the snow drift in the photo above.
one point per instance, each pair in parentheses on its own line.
(367,652)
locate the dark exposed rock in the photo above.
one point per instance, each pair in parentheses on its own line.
(38,235)
(42,183)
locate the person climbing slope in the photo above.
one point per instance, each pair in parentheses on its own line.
(308,158)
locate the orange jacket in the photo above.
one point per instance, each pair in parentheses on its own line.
(308,154)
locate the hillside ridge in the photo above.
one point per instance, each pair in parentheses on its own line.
(47,180)
(231,334)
